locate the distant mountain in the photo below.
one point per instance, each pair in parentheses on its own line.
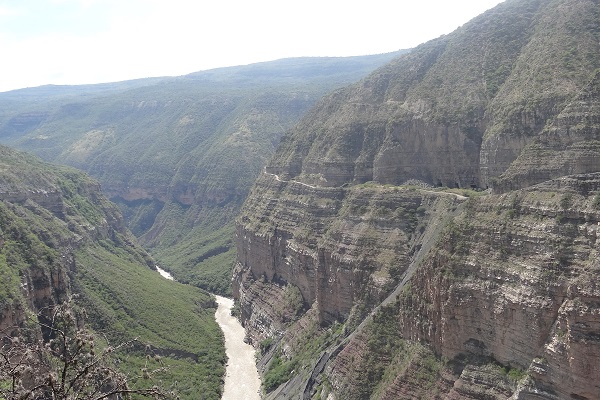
(178,154)
(59,236)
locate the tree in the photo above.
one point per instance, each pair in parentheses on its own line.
(56,357)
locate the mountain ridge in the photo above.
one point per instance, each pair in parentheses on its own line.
(388,176)
(179,156)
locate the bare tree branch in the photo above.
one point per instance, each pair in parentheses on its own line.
(67,366)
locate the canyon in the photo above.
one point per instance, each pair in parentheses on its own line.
(241,377)
(179,154)
(241,381)
(413,225)
(62,240)
(431,230)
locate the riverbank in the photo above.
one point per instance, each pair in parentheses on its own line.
(241,377)
(242,381)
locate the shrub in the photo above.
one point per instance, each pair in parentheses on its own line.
(68,364)
(279,372)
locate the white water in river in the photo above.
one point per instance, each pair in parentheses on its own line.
(164,273)
(241,377)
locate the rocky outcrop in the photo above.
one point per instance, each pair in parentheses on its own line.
(23,122)
(456,111)
(503,297)
(569,145)
(136,194)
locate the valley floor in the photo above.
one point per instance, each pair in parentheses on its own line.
(241,379)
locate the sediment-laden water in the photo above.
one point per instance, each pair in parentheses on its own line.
(242,381)
(241,378)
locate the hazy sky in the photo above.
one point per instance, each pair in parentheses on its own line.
(90,41)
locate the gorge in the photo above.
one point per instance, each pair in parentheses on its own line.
(422,224)
(62,240)
(178,155)
(361,270)
(241,377)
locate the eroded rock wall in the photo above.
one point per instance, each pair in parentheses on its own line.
(569,145)
(512,283)
(456,111)
(345,249)
(503,301)
(483,306)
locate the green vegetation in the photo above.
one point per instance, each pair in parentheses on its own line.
(265,345)
(9,290)
(58,236)
(279,371)
(204,256)
(385,357)
(23,250)
(71,362)
(515,374)
(292,304)
(310,339)
(125,301)
(596,202)
(178,155)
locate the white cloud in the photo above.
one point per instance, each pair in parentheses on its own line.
(8,11)
(141,38)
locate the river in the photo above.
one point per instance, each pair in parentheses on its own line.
(241,378)
(242,381)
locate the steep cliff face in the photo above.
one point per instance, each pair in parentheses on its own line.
(339,247)
(568,145)
(370,290)
(504,294)
(512,282)
(456,111)
(314,262)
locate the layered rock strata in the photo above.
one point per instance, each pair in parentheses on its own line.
(511,284)
(340,247)
(456,111)
(499,302)
(569,145)
(503,301)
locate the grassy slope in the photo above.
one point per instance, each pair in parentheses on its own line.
(124,298)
